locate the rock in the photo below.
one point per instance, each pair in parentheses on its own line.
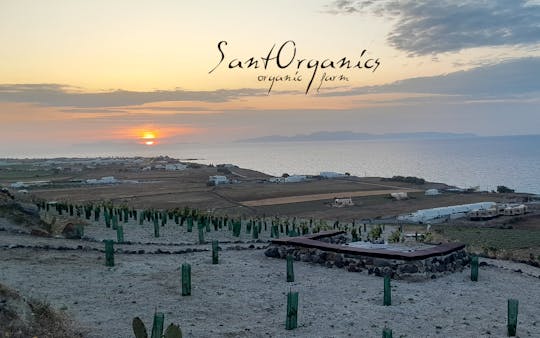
(70,231)
(381,262)
(29,209)
(409,268)
(272,252)
(40,233)
(339,261)
(353,268)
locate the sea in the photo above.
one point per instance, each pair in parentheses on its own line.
(483,162)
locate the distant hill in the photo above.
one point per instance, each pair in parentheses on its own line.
(349,135)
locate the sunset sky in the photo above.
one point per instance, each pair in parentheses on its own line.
(107,72)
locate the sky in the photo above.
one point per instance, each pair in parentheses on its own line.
(123,72)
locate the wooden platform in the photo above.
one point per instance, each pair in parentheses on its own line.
(313,241)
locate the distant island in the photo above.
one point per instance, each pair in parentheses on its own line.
(350,135)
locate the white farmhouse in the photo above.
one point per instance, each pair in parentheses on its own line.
(103,180)
(453,211)
(330,174)
(295,178)
(175,166)
(432,192)
(218,179)
(18,185)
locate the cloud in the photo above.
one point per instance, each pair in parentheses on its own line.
(509,79)
(437,26)
(61,95)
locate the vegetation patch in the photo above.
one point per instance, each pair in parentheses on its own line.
(20,317)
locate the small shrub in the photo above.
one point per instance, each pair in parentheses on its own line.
(376,232)
(501,189)
(395,237)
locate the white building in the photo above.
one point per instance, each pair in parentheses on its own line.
(330,174)
(218,179)
(432,192)
(402,195)
(103,180)
(18,185)
(453,211)
(175,166)
(295,178)
(227,165)
(342,202)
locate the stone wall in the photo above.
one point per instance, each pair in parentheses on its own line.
(418,269)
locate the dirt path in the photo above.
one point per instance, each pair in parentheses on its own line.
(317,197)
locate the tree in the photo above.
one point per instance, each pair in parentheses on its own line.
(501,189)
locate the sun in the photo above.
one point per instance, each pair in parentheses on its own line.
(148,138)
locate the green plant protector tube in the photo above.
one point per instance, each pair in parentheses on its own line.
(290,269)
(186,279)
(474,268)
(387,291)
(386,333)
(157,325)
(512,317)
(79,228)
(120,234)
(107,219)
(156,229)
(215,248)
(292,311)
(114,222)
(109,252)
(201,235)
(255,233)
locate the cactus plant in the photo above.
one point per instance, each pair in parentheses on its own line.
(139,329)
(172,331)
(157,325)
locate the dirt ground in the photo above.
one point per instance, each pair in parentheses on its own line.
(245,294)
(251,196)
